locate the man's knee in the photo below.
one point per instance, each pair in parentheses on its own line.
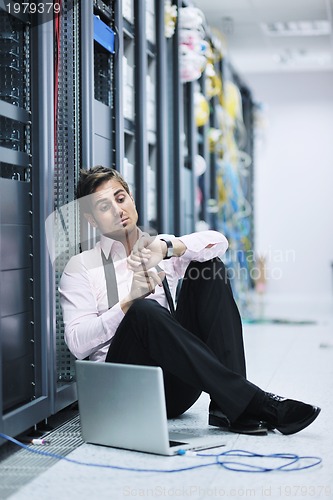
(141,314)
(213,269)
(143,307)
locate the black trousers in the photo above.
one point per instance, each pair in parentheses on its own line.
(200,349)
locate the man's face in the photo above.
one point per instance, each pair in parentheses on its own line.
(113,210)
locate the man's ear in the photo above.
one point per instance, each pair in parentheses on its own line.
(90,219)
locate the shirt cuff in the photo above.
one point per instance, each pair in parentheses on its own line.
(204,245)
(197,242)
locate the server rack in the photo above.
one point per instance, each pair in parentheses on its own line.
(142,114)
(176,130)
(24,388)
(235,214)
(154,118)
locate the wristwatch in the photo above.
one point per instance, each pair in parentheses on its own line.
(170,250)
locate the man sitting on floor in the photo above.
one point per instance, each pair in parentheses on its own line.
(117,302)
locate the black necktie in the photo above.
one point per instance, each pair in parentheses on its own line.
(110,278)
(167,292)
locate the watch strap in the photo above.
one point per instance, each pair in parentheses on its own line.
(170,249)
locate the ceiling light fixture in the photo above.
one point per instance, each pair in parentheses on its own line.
(301,57)
(297,28)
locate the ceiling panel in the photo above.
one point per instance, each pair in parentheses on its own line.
(277,10)
(245,33)
(308,43)
(215,10)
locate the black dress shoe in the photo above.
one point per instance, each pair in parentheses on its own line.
(243,425)
(287,415)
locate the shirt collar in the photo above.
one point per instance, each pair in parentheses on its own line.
(106,245)
(113,247)
(109,245)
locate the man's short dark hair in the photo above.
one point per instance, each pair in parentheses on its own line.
(91,179)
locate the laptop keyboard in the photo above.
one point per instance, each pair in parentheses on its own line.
(176,443)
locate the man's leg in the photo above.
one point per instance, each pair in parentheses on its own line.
(207,308)
(148,334)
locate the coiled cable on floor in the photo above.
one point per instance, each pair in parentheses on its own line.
(292,462)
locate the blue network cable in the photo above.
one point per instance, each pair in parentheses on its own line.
(292,462)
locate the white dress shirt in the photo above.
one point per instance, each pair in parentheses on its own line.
(89,324)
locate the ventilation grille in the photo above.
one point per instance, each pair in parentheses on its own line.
(67,162)
(18,467)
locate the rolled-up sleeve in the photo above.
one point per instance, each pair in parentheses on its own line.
(86,329)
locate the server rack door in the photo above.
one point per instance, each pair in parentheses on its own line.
(23,392)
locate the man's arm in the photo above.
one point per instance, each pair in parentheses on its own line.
(86,328)
(149,251)
(201,246)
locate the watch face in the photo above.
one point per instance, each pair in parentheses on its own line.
(170,250)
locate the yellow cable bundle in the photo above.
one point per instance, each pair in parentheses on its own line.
(170,18)
(201,109)
(232,101)
(221,190)
(213,85)
(214,138)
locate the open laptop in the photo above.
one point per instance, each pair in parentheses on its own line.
(124,406)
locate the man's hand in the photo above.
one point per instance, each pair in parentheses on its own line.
(143,284)
(147,252)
